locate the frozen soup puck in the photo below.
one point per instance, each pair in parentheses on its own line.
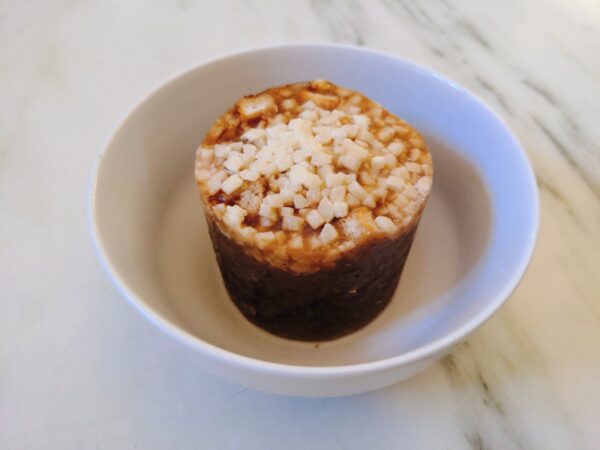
(312,194)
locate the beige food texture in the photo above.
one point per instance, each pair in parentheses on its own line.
(302,174)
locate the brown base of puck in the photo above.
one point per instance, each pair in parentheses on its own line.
(319,306)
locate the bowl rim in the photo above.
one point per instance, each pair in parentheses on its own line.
(228,357)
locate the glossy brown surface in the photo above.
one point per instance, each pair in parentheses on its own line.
(313,307)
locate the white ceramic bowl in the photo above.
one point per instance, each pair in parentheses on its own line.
(473,245)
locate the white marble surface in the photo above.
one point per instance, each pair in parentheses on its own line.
(80,369)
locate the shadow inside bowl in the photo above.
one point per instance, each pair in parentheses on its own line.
(448,250)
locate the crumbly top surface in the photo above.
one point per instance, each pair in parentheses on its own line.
(301,174)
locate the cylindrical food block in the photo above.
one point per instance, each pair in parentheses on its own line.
(312,195)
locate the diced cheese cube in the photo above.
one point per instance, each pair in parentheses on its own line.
(415,154)
(301,126)
(283,162)
(287,196)
(325,171)
(234,216)
(274,200)
(309,114)
(289,103)
(324,136)
(300,201)
(266,210)
(337,194)
(386,134)
(249,175)
(299,175)
(401,172)
(320,158)
(357,190)
(351,130)
(335,179)
(255,136)
(287,211)
(385,224)
(378,146)
(352,201)
(326,209)
(390,160)
(365,135)
(365,178)
(369,201)
(313,196)
(250,107)
(400,200)
(354,155)
(328,234)
(234,162)
(377,163)
(395,183)
(354,149)
(350,162)
(232,184)
(413,167)
(249,150)
(423,185)
(321,100)
(410,192)
(379,193)
(396,148)
(314,219)
(300,155)
(361,120)
(340,209)
(292,223)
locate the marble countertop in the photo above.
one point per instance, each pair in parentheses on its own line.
(79,368)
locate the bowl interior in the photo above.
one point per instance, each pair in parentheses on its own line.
(471,247)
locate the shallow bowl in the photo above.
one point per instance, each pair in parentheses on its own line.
(472,247)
